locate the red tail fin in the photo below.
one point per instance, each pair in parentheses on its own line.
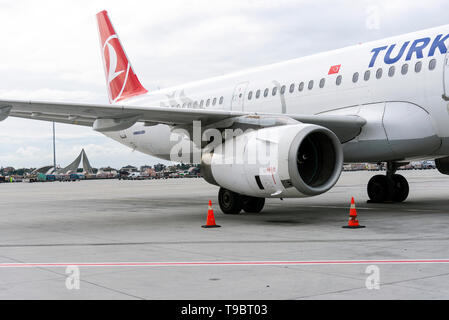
(121,80)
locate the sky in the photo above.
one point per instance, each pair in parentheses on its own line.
(50,52)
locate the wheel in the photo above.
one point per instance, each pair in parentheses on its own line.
(230,202)
(401,188)
(379,189)
(252,204)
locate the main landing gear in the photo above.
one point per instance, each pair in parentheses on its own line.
(232,203)
(389,188)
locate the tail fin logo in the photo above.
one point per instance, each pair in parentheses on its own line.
(112,61)
(121,80)
(117,79)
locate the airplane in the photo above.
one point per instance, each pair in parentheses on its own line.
(385,101)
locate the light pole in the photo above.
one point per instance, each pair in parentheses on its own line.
(54,148)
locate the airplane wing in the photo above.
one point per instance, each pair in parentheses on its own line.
(119,117)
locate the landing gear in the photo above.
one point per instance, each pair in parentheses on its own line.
(252,204)
(390,188)
(232,203)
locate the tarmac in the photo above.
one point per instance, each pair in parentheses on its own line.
(143,240)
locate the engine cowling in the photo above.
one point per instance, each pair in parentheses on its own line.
(442,165)
(290,161)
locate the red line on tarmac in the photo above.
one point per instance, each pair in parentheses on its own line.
(223,263)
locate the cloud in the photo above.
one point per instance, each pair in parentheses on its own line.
(51,52)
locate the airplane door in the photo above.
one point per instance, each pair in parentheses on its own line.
(446,78)
(239,96)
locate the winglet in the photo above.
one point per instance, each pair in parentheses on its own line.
(121,80)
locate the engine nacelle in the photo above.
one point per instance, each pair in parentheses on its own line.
(443,165)
(290,161)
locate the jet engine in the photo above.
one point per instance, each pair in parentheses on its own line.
(442,165)
(290,161)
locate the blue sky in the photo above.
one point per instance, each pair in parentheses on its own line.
(50,52)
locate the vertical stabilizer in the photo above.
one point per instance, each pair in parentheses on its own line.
(121,80)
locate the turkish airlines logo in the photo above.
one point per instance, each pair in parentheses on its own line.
(115,67)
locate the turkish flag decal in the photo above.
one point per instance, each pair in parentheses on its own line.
(335,69)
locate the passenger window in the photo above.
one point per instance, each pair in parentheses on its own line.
(292,88)
(432,64)
(257,94)
(283,89)
(355,77)
(391,71)
(265,93)
(250,95)
(379,73)
(418,67)
(201,103)
(404,69)
(184,105)
(367,75)
(214,102)
(310,85)
(221,100)
(275,90)
(195,104)
(322,83)
(339,79)
(301,86)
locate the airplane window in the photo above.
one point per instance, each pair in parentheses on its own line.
(418,66)
(367,75)
(404,69)
(195,104)
(322,83)
(282,89)
(257,94)
(250,95)
(214,102)
(201,103)
(391,71)
(310,85)
(265,93)
(432,64)
(379,73)
(207,102)
(301,86)
(189,105)
(292,88)
(339,79)
(355,77)
(184,105)
(221,100)
(275,90)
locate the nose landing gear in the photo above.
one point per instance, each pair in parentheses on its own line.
(390,188)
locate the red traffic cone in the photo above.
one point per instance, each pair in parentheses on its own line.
(210,218)
(353,222)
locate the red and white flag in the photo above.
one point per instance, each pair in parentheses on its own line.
(334,69)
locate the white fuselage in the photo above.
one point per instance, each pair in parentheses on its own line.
(407,116)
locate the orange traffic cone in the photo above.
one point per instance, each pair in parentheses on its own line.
(210,218)
(353,222)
